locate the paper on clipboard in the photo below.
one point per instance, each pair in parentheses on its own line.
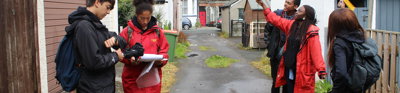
(149,76)
(151,58)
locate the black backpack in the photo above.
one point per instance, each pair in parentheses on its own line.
(67,70)
(366,66)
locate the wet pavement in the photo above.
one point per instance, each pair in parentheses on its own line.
(195,77)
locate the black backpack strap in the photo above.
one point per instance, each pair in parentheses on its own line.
(129,35)
(158,34)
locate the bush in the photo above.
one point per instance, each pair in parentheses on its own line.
(125,12)
(322,86)
(167,25)
(198,24)
(182,38)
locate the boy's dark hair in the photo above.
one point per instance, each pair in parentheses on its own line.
(297,2)
(90,3)
(143,5)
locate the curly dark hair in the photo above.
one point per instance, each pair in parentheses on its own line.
(143,5)
(90,3)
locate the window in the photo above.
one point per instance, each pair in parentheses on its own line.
(241,12)
(185,7)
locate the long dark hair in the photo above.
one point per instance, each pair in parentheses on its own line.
(297,35)
(300,26)
(143,5)
(341,20)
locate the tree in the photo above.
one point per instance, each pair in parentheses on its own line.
(126,11)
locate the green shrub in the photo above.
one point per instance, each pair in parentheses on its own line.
(198,24)
(181,49)
(322,86)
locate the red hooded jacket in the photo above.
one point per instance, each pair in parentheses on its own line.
(153,43)
(309,58)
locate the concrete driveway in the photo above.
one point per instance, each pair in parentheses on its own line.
(195,77)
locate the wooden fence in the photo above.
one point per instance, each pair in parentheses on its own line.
(388,43)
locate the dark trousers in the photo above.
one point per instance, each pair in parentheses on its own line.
(289,87)
(274,70)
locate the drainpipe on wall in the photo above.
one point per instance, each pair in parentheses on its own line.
(229,21)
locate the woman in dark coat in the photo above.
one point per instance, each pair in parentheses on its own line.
(344,30)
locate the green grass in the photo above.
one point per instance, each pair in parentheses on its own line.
(223,34)
(181,49)
(169,75)
(322,86)
(217,61)
(263,65)
(205,48)
(240,46)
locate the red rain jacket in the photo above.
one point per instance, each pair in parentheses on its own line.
(151,43)
(309,58)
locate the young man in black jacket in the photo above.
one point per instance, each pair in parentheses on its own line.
(275,39)
(92,42)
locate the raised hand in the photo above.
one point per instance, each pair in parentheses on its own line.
(261,3)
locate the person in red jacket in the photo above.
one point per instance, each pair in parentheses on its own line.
(146,32)
(302,56)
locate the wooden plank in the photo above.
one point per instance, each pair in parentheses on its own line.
(51,53)
(59,12)
(52,47)
(373,87)
(367,33)
(51,29)
(58,89)
(398,52)
(51,66)
(56,23)
(51,70)
(379,44)
(393,63)
(81,2)
(54,84)
(56,5)
(56,17)
(53,40)
(21,44)
(373,35)
(6,22)
(50,58)
(385,80)
(54,34)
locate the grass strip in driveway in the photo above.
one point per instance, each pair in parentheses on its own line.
(168,76)
(205,48)
(217,61)
(223,34)
(181,49)
(263,65)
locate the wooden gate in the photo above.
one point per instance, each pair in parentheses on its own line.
(388,48)
(19,61)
